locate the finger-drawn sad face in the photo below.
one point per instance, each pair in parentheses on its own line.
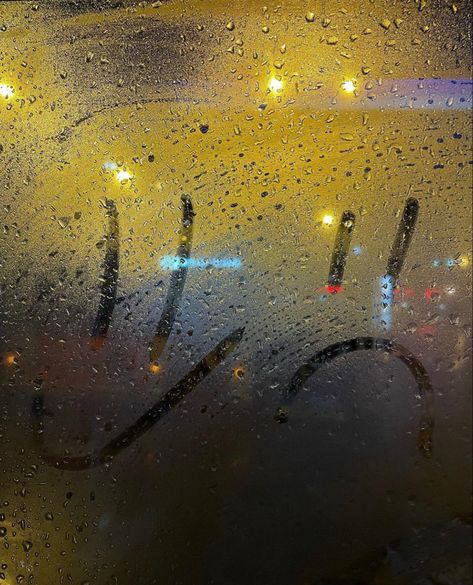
(235,291)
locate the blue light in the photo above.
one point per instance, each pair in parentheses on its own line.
(384,309)
(450,262)
(436,263)
(358,250)
(175,262)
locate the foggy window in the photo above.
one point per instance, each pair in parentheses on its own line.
(235,292)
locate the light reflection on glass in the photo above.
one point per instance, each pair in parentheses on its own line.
(175,262)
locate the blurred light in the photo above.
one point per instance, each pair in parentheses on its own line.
(450,262)
(97,342)
(6,91)
(383,309)
(349,86)
(358,250)
(10,359)
(427,330)
(109,166)
(238,373)
(436,263)
(334,289)
(328,219)
(123,176)
(450,290)
(275,84)
(154,368)
(432,293)
(175,262)
(463,261)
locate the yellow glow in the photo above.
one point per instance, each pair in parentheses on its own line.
(275,84)
(123,176)
(6,91)
(154,368)
(328,219)
(238,373)
(10,359)
(349,86)
(463,261)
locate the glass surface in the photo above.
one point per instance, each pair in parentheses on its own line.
(235,291)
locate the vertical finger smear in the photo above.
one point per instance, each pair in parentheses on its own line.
(176,287)
(397,257)
(340,252)
(108,293)
(403,239)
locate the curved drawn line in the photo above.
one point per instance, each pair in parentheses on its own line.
(134,431)
(402,239)
(176,286)
(165,100)
(108,293)
(341,248)
(416,368)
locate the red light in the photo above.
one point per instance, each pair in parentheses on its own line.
(405,293)
(333,289)
(432,293)
(97,343)
(426,330)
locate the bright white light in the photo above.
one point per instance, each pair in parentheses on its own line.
(6,91)
(275,84)
(123,176)
(349,86)
(328,219)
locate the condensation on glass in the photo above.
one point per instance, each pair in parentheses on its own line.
(235,292)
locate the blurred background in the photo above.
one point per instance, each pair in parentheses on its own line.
(172,172)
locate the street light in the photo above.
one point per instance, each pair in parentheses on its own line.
(123,176)
(275,84)
(6,91)
(349,86)
(327,219)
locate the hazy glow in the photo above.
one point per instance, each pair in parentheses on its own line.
(328,219)
(10,359)
(123,176)
(349,86)
(6,91)
(154,368)
(275,84)
(238,373)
